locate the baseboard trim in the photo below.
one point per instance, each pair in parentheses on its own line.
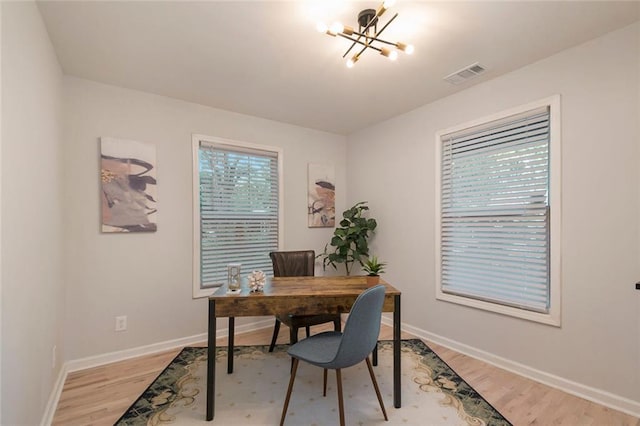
(598,396)
(54,397)
(108,358)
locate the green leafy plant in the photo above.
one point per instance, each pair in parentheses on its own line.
(373,266)
(349,243)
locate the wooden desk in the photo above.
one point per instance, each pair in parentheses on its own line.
(296,295)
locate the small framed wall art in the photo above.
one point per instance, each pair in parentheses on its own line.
(321,196)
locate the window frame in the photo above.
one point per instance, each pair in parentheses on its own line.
(198,291)
(553,317)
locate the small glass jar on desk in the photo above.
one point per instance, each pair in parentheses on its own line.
(233,277)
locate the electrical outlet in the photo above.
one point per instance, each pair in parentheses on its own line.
(54,356)
(121,323)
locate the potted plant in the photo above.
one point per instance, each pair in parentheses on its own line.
(349,242)
(373,267)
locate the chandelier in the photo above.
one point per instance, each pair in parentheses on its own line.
(367,34)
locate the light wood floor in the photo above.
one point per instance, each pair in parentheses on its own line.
(100,395)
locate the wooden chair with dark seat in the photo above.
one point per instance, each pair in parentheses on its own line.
(297,264)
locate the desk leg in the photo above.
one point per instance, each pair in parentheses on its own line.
(232,333)
(211,361)
(397,397)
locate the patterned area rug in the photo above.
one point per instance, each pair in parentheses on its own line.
(432,393)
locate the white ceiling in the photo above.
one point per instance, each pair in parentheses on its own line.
(266,59)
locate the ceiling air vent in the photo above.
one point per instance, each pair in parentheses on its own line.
(466,73)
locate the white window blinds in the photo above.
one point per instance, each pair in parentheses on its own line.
(494,215)
(238,210)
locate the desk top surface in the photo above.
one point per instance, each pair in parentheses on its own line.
(283,287)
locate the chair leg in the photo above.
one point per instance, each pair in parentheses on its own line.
(293,339)
(276,330)
(289,389)
(375,386)
(337,325)
(324,384)
(308,330)
(340,398)
(374,354)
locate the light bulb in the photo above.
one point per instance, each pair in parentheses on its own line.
(350,63)
(337,27)
(322,27)
(406,48)
(386,4)
(391,54)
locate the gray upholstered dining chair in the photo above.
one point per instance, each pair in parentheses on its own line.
(335,350)
(297,264)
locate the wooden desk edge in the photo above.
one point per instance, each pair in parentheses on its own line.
(220,293)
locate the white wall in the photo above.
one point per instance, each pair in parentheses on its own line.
(392,166)
(0,211)
(148,276)
(32,283)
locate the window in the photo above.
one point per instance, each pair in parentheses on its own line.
(498,213)
(237,209)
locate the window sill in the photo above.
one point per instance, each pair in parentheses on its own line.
(204,292)
(552,318)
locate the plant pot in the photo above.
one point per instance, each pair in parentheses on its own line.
(372,280)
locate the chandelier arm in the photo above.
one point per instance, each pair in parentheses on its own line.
(365,48)
(352,44)
(369,38)
(371,22)
(375,36)
(375,39)
(356,41)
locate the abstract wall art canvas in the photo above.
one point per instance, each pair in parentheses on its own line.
(128,185)
(322,196)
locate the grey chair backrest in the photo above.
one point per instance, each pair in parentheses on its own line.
(362,328)
(293,263)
